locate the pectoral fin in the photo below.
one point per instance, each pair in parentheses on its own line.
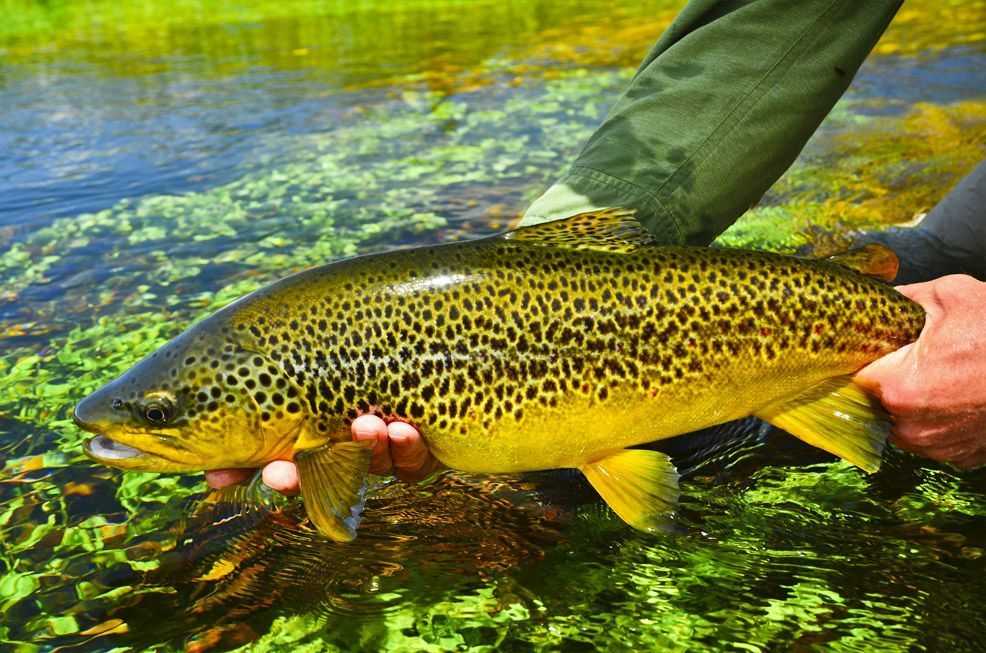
(333,484)
(837,416)
(640,486)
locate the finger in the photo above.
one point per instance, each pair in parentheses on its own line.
(875,376)
(220,478)
(971,460)
(941,444)
(412,460)
(371,427)
(917,292)
(954,451)
(915,436)
(282,476)
(935,430)
(922,450)
(888,377)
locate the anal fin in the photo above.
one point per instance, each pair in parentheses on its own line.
(640,486)
(838,416)
(333,485)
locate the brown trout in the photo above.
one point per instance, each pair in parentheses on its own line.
(553,346)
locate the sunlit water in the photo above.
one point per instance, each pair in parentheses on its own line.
(156,163)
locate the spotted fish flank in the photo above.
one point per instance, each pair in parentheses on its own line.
(552,346)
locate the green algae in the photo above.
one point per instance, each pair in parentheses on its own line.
(874,173)
(442,45)
(447,46)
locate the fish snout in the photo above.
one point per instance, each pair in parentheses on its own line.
(98,410)
(81,415)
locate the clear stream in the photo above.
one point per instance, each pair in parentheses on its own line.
(159,160)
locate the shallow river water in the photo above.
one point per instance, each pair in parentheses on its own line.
(159,159)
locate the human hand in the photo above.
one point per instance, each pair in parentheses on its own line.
(935,388)
(399,450)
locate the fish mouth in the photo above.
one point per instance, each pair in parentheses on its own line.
(114,453)
(104,449)
(101,447)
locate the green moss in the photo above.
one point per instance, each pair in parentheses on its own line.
(864,175)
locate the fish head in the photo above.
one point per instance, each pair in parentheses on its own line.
(200,402)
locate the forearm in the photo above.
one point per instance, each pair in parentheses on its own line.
(717,112)
(950,240)
(958,222)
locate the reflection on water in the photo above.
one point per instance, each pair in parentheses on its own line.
(176,101)
(764,553)
(235,568)
(159,159)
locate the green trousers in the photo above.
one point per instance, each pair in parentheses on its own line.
(717,112)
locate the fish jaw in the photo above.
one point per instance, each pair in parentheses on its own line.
(114,453)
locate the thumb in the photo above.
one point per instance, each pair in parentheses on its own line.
(917,292)
(883,370)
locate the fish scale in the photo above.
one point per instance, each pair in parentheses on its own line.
(553,346)
(494,330)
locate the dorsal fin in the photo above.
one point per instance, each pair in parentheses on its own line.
(873,260)
(607,230)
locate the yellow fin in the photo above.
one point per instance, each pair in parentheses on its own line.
(333,485)
(640,486)
(607,230)
(873,260)
(837,416)
(220,569)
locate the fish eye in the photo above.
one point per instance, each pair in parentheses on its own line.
(159,411)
